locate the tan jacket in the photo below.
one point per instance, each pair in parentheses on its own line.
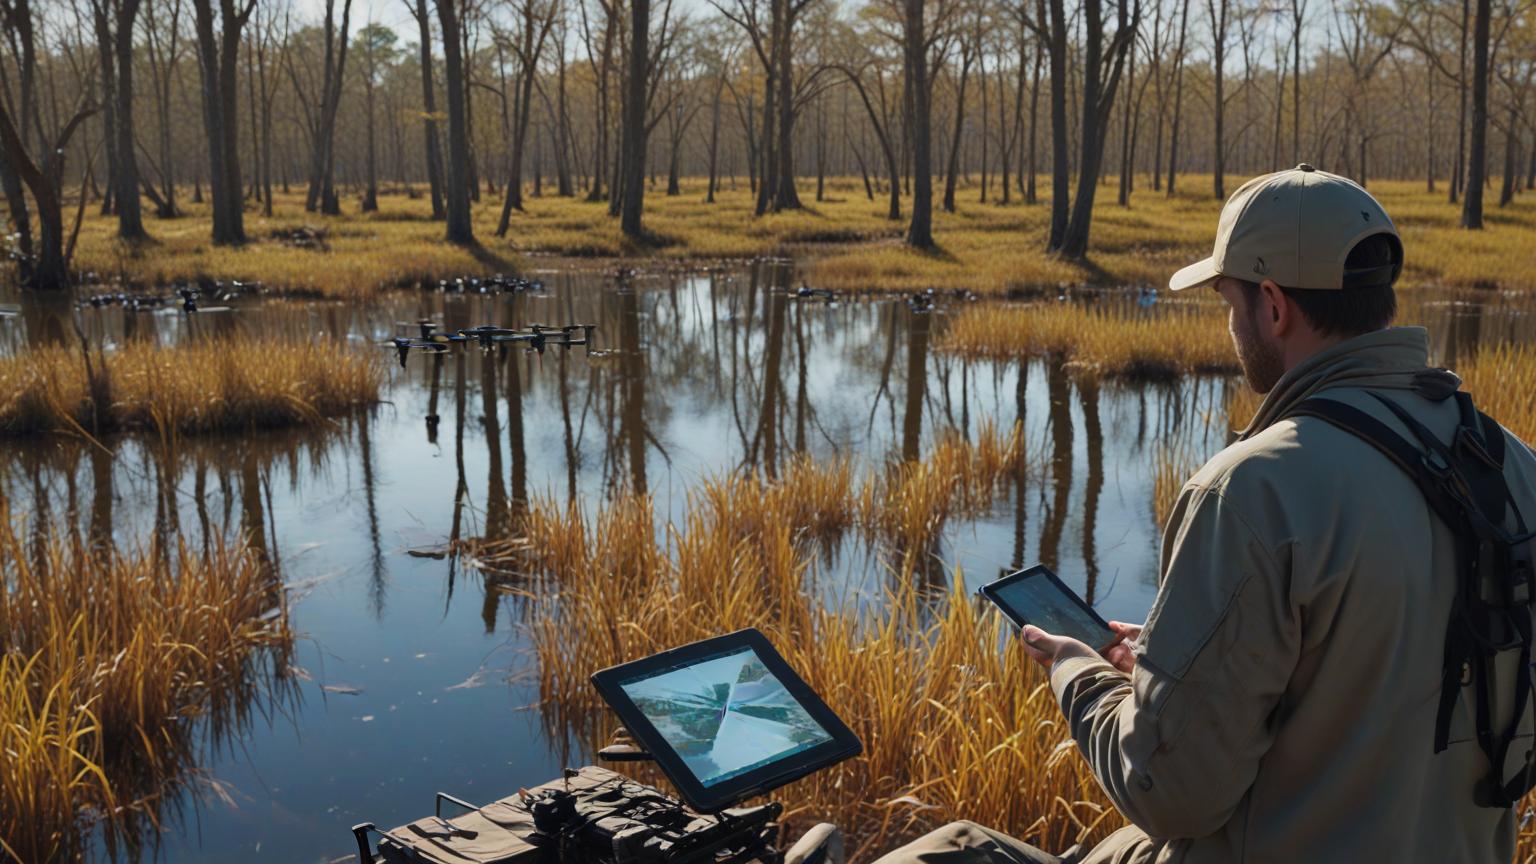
(1283,703)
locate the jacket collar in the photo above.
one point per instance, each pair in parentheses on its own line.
(1396,358)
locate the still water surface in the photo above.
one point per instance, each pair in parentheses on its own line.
(413,673)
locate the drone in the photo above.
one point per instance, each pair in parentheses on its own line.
(498,284)
(536,337)
(806,292)
(186,296)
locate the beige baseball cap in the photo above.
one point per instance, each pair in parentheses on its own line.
(1295,227)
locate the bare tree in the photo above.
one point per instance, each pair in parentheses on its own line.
(534,21)
(50,268)
(1219,16)
(375,45)
(114,20)
(218,62)
(460,228)
(434,156)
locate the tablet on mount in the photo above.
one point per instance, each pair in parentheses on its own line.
(726,718)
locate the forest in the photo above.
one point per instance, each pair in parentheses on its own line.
(137,107)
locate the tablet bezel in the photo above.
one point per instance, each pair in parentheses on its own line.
(711,799)
(991,589)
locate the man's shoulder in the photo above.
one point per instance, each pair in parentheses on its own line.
(1295,451)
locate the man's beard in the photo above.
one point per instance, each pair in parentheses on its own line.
(1261,361)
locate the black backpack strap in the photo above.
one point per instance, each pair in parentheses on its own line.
(1414,462)
(1464,485)
(1392,445)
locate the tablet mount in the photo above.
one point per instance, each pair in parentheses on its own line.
(597,816)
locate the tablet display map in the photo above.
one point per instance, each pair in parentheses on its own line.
(726,715)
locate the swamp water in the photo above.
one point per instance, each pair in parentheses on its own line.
(412,673)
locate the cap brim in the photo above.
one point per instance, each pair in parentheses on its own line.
(1196,275)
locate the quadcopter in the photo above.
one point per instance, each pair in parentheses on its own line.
(536,337)
(498,284)
(185,295)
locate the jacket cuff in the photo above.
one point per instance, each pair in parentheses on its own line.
(1069,669)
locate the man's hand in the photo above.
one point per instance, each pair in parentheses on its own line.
(1046,648)
(1119,654)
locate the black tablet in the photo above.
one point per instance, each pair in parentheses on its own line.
(1035,596)
(726,718)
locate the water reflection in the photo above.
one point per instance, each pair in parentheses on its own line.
(693,376)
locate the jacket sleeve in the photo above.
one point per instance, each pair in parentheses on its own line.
(1177,745)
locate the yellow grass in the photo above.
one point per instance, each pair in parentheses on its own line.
(108,658)
(955,721)
(909,502)
(1111,342)
(987,248)
(1502,381)
(1174,465)
(188,388)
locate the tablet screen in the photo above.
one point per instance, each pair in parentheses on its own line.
(725,715)
(1034,597)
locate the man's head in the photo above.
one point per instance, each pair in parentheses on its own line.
(1305,259)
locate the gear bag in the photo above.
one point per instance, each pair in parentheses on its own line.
(1464,485)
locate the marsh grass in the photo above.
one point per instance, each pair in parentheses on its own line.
(1171,469)
(112,664)
(1502,381)
(908,503)
(955,720)
(187,388)
(1108,341)
(991,249)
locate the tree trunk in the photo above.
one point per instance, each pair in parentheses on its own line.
(1098,103)
(1218,10)
(786,197)
(1477,156)
(1059,167)
(633,171)
(371,193)
(460,229)
(714,140)
(954,141)
(1178,102)
(920,231)
(50,268)
(1459,176)
(429,110)
(130,218)
(217,58)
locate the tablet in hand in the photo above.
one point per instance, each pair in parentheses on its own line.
(1036,596)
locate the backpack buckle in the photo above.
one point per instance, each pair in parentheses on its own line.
(1471,441)
(1436,464)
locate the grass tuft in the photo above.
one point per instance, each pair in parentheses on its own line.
(108,658)
(1099,342)
(188,388)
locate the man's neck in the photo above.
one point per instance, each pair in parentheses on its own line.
(1304,346)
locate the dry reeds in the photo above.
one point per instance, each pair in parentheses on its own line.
(188,388)
(909,502)
(1502,380)
(1114,342)
(106,660)
(1174,465)
(955,720)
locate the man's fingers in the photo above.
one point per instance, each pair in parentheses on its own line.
(1127,631)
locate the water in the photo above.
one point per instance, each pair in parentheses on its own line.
(412,673)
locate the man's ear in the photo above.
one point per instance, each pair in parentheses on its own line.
(1276,309)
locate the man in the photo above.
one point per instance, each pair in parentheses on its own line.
(1282,702)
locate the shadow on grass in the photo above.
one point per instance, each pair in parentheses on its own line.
(935,252)
(649,241)
(487,258)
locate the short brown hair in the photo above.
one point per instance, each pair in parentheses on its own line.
(1367,301)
